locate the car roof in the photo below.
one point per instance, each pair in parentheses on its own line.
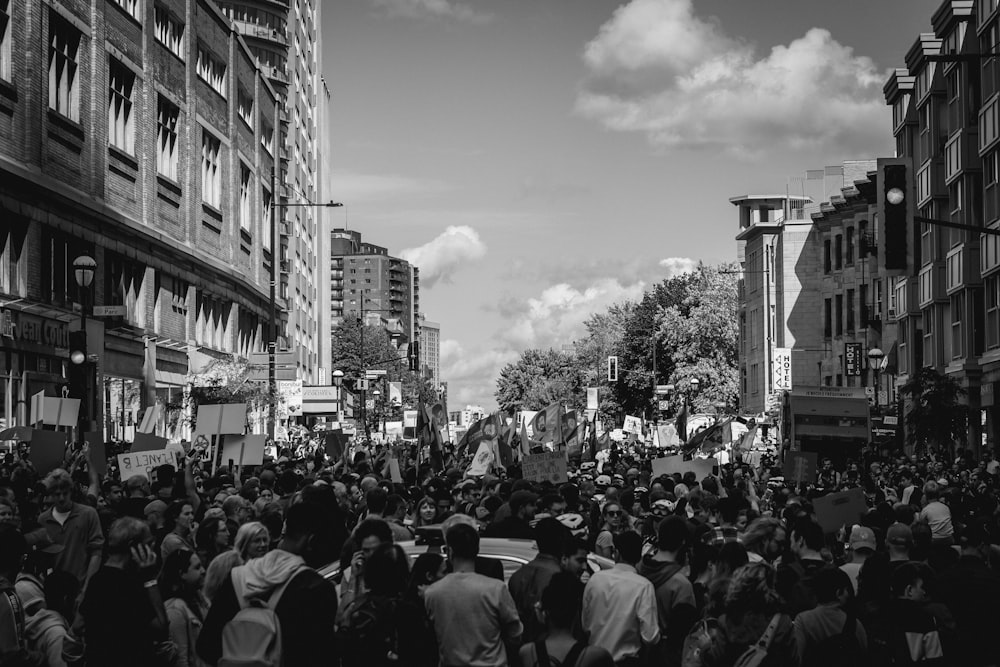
(500,546)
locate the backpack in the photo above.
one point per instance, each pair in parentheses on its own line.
(757,653)
(252,638)
(839,650)
(368,634)
(542,654)
(697,641)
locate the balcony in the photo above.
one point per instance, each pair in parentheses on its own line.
(962,268)
(931,285)
(260,32)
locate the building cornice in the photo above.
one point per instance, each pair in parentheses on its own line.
(900,83)
(950,13)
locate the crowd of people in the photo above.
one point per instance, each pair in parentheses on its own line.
(298,562)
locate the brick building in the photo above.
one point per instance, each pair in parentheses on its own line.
(141,134)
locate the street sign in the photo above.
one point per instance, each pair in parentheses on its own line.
(370,404)
(663,389)
(664,405)
(782,368)
(361,384)
(110,311)
(852,359)
(372,374)
(319,400)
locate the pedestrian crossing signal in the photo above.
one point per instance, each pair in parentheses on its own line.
(612,369)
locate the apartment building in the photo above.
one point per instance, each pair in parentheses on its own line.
(430,351)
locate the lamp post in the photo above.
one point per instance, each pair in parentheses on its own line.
(273,302)
(376,395)
(81,371)
(875,356)
(338,381)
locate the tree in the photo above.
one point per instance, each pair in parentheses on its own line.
(935,415)
(227,380)
(539,378)
(605,338)
(700,336)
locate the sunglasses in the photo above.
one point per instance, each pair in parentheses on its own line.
(614,513)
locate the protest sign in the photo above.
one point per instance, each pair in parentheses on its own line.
(38,407)
(244,449)
(483,460)
(216,420)
(800,467)
(147,442)
(144,463)
(632,425)
(60,411)
(670,464)
(48,449)
(844,508)
(150,418)
(394,474)
(546,466)
(667,435)
(98,454)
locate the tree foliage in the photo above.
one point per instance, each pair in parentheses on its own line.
(539,378)
(934,416)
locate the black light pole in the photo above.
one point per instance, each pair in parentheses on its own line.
(273,301)
(84,268)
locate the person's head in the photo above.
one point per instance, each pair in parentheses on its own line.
(137,486)
(523,504)
(426,511)
(113,492)
(443,501)
(371,534)
(751,589)
(909,581)
(462,541)
(395,506)
(731,556)
(550,535)
(807,535)
(236,508)
(375,500)
(182,575)
(179,516)
(552,504)
(59,489)
(313,530)
(562,600)
(427,569)
(125,533)
(574,556)
(932,491)
(765,537)
(612,513)
(266,494)
(218,572)
(252,540)
(212,535)
(672,534)
(387,571)
(832,584)
(628,547)
(899,539)
(7,513)
(12,550)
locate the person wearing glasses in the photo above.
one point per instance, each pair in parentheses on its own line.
(614,522)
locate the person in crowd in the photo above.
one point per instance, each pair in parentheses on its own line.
(253,540)
(527,584)
(306,608)
(181,581)
(14,649)
(574,558)
(937,515)
(122,610)
(752,613)
(137,497)
(764,540)
(560,606)
(211,539)
(828,634)
(481,606)
(180,529)
(914,637)
(383,626)
(428,568)
(426,513)
(518,525)
(48,625)
(675,600)
(74,526)
(395,512)
(619,606)
(237,510)
(899,542)
(794,579)
(613,524)
(861,546)
(218,571)
(369,535)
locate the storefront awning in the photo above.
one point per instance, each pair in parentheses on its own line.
(168,378)
(831,407)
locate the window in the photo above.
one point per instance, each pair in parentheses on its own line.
(849,250)
(246,212)
(863,303)
(827,256)
(840,314)
(993,312)
(827,318)
(838,254)
(5,39)
(267,137)
(902,355)
(212,70)
(266,238)
(244,107)
(166,138)
(211,170)
(121,120)
(131,7)
(850,310)
(928,329)
(957,315)
(169,31)
(64,84)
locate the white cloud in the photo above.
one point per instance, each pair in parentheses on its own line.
(438,9)
(439,258)
(353,187)
(472,374)
(657,68)
(676,266)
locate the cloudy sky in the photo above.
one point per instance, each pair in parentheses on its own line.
(543,159)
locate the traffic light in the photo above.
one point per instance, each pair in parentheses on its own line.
(78,371)
(413,353)
(612,369)
(895,203)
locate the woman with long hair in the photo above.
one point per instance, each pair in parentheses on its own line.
(426,513)
(180,583)
(253,540)
(180,528)
(615,522)
(218,572)
(427,569)
(212,538)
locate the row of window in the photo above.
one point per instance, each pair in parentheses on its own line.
(839,251)
(835,309)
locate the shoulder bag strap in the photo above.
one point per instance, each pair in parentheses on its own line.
(768,636)
(541,654)
(574,654)
(17,610)
(280,590)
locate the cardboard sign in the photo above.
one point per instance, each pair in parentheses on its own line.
(150,418)
(48,449)
(546,466)
(222,418)
(98,458)
(844,508)
(800,467)
(38,407)
(147,442)
(144,463)
(632,425)
(702,468)
(54,411)
(394,474)
(245,450)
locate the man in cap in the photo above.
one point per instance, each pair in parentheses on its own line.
(862,545)
(899,540)
(518,525)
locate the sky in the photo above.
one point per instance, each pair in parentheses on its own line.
(540,160)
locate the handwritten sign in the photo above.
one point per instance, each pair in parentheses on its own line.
(244,449)
(143,463)
(670,464)
(800,467)
(840,509)
(545,467)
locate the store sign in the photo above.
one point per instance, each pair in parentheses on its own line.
(782,364)
(852,359)
(40,331)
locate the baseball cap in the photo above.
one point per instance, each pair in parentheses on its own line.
(465,483)
(663,505)
(863,538)
(31,595)
(154,506)
(899,533)
(632,472)
(519,499)
(603,480)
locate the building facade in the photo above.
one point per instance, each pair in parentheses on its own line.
(140,134)
(367,282)
(284,37)
(430,351)
(946,121)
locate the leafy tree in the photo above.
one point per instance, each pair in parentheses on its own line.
(227,380)
(934,416)
(539,378)
(605,337)
(700,338)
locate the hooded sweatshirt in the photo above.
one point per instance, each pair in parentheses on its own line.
(675,605)
(48,633)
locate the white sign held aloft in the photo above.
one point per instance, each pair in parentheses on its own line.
(143,463)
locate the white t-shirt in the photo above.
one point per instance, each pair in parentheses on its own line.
(60,516)
(938,517)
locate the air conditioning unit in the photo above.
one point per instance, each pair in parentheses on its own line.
(891,314)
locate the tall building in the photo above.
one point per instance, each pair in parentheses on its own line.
(167,188)
(430,351)
(366,279)
(946,121)
(285,39)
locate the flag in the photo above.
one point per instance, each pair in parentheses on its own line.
(603,441)
(336,443)
(548,424)
(430,435)
(483,461)
(505,452)
(712,438)
(681,422)
(747,440)
(572,434)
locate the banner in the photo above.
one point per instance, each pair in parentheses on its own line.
(483,461)
(840,509)
(47,450)
(395,393)
(547,466)
(670,464)
(593,402)
(632,425)
(666,435)
(782,368)
(144,463)
(245,450)
(547,425)
(291,393)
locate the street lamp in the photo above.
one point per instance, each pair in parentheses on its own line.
(875,356)
(80,373)
(376,394)
(338,380)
